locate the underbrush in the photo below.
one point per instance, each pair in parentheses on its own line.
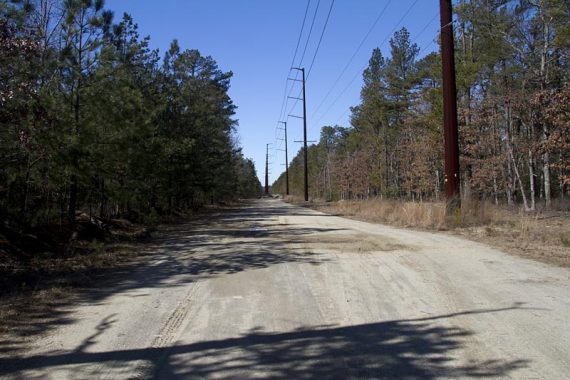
(428,215)
(39,258)
(35,260)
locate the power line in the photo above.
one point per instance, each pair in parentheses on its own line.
(360,71)
(316,51)
(421,52)
(304,51)
(320,39)
(310,31)
(293,60)
(301,32)
(419,55)
(304,80)
(353,56)
(302,57)
(283,102)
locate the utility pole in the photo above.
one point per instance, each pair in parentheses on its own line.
(449,108)
(267,169)
(286,161)
(305,151)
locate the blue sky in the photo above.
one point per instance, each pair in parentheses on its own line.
(256,40)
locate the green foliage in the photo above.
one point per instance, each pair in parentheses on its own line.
(91,121)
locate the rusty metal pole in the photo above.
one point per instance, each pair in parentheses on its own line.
(449,108)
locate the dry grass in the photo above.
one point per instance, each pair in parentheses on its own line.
(405,214)
(544,236)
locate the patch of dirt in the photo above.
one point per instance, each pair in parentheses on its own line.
(358,243)
(543,239)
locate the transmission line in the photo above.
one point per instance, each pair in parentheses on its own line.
(310,32)
(283,102)
(352,58)
(360,71)
(320,40)
(314,55)
(293,61)
(419,55)
(301,32)
(302,57)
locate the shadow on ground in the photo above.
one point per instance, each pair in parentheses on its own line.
(227,242)
(415,348)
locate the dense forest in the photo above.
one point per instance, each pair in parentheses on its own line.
(513,72)
(93,120)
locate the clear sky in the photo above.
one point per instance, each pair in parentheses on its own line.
(256,39)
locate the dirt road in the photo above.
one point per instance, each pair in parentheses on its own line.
(277,291)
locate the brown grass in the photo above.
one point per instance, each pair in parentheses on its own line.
(544,236)
(405,214)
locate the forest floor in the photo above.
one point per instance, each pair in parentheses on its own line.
(271,290)
(542,236)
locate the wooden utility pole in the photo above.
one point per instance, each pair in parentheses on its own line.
(267,169)
(449,108)
(305,151)
(286,160)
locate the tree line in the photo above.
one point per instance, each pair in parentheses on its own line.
(93,120)
(512,67)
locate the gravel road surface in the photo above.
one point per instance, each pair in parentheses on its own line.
(276,291)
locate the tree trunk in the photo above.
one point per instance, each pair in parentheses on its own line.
(102,206)
(546,173)
(531,180)
(511,155)
(518,177)
(24,210)
(544,82)
(436,188)
(72,198)
(495,189)
(560,180)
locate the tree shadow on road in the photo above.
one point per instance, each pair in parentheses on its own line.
(410,348)
(180,255)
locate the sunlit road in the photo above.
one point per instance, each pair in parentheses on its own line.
(276,291)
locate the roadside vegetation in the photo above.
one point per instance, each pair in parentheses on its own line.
(543,236)
(101,138)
